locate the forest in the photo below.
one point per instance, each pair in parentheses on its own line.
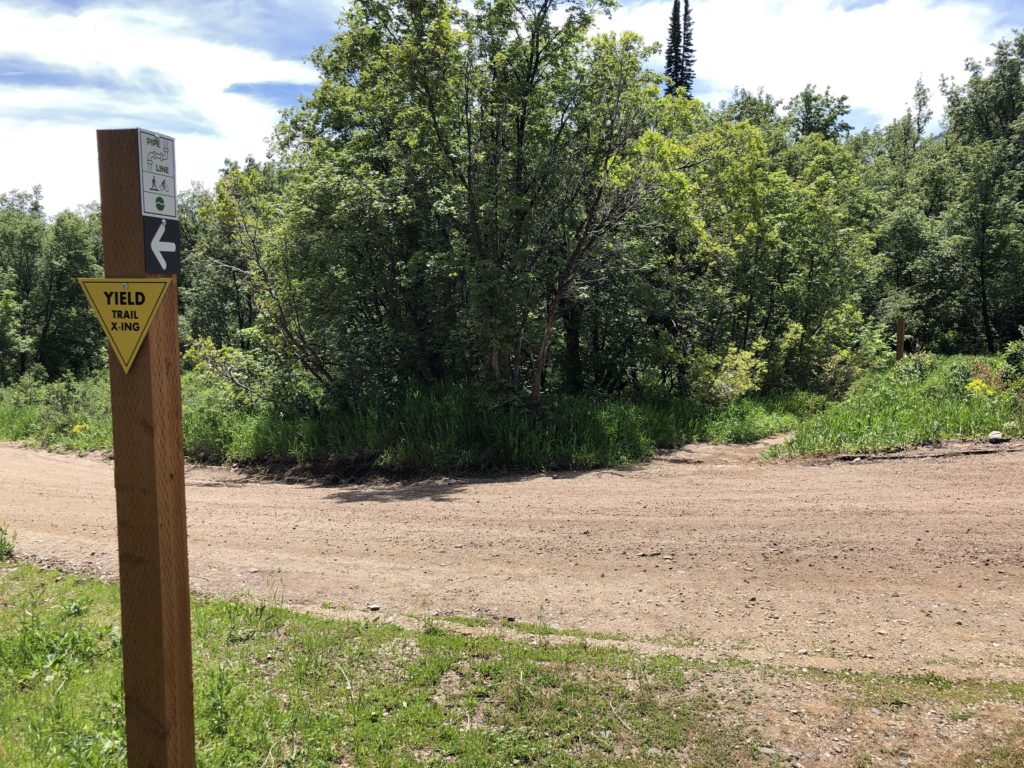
(501,212)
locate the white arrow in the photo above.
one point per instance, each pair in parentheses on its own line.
(159,247)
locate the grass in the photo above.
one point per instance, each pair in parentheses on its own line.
(276,688)
(6,543)
(443,429)
(283,689)
(921,401)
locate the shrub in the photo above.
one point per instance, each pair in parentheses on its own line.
(1014,363)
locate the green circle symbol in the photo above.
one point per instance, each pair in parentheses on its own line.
(159,203)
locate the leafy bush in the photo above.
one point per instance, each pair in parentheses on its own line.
(1014,359)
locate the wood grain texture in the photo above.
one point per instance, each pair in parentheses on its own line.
(150,484)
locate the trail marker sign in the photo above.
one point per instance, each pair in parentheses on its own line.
(162,237)
(139,314)
(126,309)
(157,185)
(156,165)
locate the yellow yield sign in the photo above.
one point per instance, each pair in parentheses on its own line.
(125,309)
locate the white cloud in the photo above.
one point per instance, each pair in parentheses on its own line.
(59,150)
(873,55)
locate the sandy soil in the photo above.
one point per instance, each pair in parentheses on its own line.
(892,565)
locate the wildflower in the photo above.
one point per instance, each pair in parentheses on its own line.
(980,388)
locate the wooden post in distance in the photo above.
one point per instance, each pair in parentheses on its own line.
(149,477)
(901,331)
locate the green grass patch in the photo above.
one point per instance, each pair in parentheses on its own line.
(927,689)
(529,628)
(284,689)
(922,400)
(442,429)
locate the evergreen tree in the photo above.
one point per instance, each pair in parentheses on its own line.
(674,51)
(687,56)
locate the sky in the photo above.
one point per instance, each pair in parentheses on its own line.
(214,74)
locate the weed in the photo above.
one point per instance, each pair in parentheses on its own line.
(6,543)
(917,402)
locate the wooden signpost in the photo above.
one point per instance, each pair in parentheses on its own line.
(139,314)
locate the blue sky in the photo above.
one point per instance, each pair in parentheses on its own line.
(215,74)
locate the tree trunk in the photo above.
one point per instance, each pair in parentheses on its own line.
(571,321)
(542,354)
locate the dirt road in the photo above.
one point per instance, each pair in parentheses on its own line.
(895,565)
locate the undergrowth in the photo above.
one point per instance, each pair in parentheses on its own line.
(440,429)
(922,400)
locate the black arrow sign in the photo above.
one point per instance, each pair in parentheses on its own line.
(162,243)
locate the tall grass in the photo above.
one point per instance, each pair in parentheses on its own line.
(922,400)
(66,413)
(440,429)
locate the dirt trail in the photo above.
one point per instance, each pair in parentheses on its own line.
(875,565)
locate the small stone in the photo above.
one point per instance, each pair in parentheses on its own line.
(881,632)
(254,570)
(373,607)
(996,437)
(766,751)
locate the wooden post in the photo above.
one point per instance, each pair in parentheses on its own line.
(901,328)
(149,477)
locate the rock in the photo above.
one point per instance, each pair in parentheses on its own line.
(996,437)
(373,607)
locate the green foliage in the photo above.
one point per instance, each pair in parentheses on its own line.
(810,112)
(425,430)
(921,400)
(70,413)
(488,206)
(1013,356)
(44,317)
(456,429)
(6,543)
